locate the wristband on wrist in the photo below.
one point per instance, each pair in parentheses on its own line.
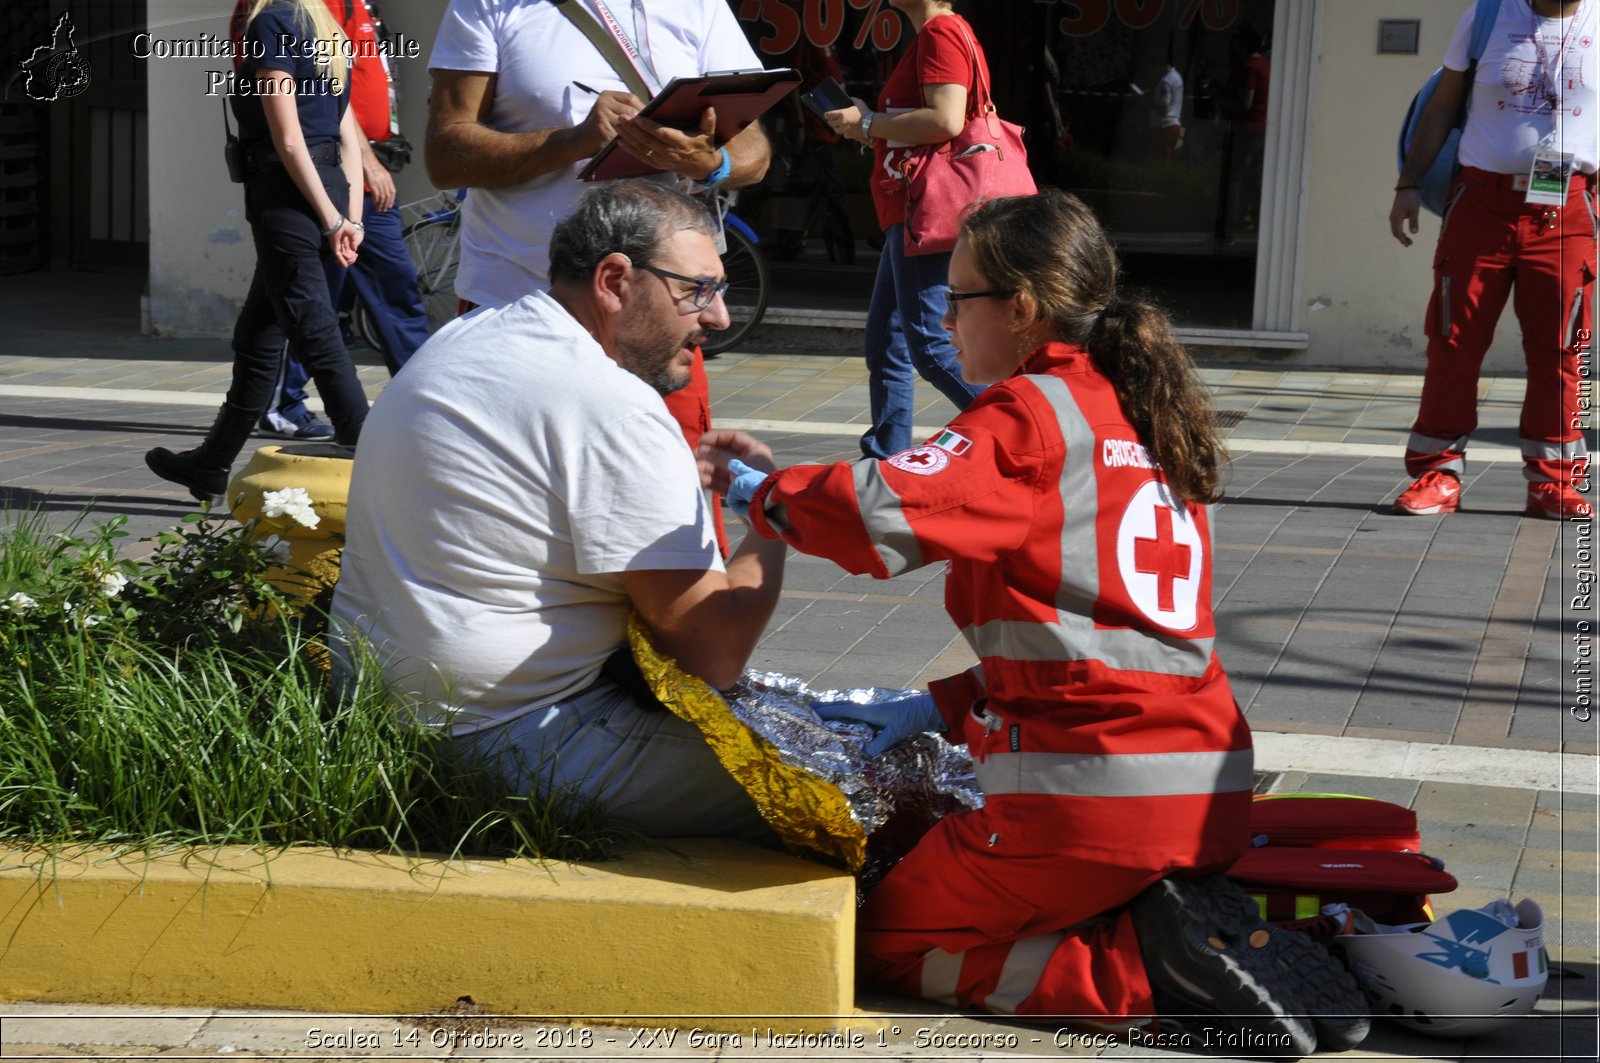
(330,230)
(720,174)
(866,124)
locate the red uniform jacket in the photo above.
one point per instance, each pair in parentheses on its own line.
(1099,718)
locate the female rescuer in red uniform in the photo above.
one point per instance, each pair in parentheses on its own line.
(1070,502)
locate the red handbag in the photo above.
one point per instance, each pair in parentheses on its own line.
(986,160)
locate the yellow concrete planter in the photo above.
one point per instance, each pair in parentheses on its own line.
(704,928)
(323,470)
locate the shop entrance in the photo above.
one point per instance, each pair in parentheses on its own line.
(1152,111)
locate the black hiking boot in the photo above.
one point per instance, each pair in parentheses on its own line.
(1248,988)
(204,470)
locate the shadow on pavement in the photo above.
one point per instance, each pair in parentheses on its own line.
(101,424)
(96,507)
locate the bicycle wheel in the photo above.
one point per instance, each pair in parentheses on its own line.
(361,324)
(746,269)
(435,247)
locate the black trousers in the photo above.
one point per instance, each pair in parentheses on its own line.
(290,290)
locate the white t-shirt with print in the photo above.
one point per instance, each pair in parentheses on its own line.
(1509,112)
(536,54)
(502,483)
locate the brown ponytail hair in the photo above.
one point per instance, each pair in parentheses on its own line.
(1051,248)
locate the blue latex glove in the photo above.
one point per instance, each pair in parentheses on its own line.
(743,487)
(895,720)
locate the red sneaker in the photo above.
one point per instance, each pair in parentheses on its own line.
(1432,492)
(1557,502)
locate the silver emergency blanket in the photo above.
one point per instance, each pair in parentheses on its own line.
(895,797)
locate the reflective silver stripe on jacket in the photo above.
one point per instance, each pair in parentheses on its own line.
(1116,774)
(886,522)
(1073,637)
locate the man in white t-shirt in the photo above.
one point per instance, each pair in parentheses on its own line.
(513,118)
(1521,215)
(1168,114)
(520,488)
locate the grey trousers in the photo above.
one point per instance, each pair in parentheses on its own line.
(647,768)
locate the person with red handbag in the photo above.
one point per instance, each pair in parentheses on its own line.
(927,99)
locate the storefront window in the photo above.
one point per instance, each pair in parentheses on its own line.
(1152,111)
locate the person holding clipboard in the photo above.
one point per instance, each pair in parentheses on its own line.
(507,120)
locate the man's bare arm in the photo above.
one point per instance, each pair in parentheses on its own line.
(1438,118)
(751,154)
(461,150)
(710,622)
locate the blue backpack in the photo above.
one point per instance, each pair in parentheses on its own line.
(1435,184)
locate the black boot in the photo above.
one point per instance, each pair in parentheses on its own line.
(1235,982)
(204,470)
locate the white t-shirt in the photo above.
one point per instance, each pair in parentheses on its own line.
(502,482)
(1509,112)
(1169,100)
(536,54)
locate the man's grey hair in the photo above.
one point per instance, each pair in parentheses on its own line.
(633,217)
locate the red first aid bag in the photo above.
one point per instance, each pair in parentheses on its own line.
(1310,850)
(1392,888)
(1333,821)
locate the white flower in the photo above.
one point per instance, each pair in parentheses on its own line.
(291,502)
(111,584)
(92,620)
(19,603)
(67,607)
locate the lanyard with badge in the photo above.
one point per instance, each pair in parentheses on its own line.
(635,51)
(1550,173)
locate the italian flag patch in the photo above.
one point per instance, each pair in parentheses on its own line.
(953,442)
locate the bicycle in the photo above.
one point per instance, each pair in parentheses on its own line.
(745,268)
(433,236)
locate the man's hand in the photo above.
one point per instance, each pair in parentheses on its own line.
(612,111)
(378,179)
(1403,215)
(719,446)
(895,720)
(694,155)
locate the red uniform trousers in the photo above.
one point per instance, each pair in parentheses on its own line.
(968,923)
(1491,241)
(691,408)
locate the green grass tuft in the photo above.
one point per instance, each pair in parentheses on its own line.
(180,701)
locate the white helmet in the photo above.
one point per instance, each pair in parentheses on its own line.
(1472,971)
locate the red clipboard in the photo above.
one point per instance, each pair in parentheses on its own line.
(739,99)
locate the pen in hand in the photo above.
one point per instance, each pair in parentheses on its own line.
(585,88)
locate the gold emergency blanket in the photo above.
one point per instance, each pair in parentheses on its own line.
(807,812)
